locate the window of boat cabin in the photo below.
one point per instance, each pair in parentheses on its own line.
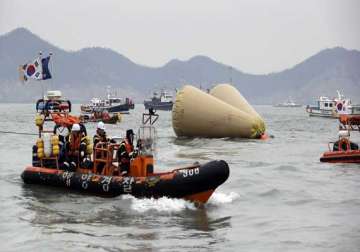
(330,105)
(326,104)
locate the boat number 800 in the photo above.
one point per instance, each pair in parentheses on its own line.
(190,172)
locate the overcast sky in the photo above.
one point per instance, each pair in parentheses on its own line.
(254,36)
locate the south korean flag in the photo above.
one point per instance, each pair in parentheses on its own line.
(33,70)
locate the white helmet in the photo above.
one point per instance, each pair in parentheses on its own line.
(75,127)
(101,126)
(343,133)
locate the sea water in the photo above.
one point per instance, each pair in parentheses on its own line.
(279,197)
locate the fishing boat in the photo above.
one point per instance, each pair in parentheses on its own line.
(111,103)
(195,182)
(288,104)
(343,150)
(160,101)
(102,116)
(333,107)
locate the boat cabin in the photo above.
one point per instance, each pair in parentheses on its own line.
(326,103)
(163,96)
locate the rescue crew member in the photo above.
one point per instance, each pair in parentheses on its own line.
(344,142)
(126,152)
(100,135)
(75,149)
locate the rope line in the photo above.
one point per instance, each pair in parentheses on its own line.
(18,133)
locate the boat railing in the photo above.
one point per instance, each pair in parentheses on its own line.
(351,123)
(105,153)
(149,118)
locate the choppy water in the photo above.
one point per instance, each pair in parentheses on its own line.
(279,197)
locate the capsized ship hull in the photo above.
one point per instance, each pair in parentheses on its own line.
(222,113)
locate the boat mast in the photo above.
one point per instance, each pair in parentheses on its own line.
(108,92)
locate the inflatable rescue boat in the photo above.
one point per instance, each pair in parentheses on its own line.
(195,183)
(343,150)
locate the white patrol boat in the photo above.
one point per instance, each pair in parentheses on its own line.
(327,107)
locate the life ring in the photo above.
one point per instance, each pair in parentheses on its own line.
(339,106)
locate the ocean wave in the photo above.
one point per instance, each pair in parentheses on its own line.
(270,193)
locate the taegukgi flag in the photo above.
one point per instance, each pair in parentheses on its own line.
(45,68)
(37,70)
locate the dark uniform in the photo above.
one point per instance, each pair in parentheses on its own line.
(100,137)
(126,152)
(75,151)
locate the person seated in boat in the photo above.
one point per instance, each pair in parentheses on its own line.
(126,152)
(343,143)
(75,149)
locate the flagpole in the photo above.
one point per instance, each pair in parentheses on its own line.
(52,69)
(42,84)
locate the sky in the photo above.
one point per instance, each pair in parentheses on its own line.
(254,36)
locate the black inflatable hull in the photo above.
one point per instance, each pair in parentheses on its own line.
(195,183)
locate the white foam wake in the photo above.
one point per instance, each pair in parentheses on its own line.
(163,204)
(218,198)
(169,205)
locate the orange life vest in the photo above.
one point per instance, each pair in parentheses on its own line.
(74,143)
(129,147)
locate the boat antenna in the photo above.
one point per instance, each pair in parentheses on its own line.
(108,91)
(339,94)
(52,70)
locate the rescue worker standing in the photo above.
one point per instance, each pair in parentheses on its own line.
(126,152)
(75,149)
(100,135)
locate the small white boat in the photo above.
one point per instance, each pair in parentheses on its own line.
(111,104)
(288,104)
(333,108)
